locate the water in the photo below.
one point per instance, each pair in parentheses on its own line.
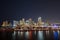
(40,35)
(55,35)
(30,35)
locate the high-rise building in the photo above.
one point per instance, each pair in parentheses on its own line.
(15,23)
(39,23)
(27,23)
(5,24)
(31,22)
(39,19)
(22,22)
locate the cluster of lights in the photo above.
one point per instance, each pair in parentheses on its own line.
(28,23)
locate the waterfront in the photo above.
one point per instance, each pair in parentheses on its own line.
(30,35)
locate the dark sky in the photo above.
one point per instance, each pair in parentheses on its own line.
(14,9)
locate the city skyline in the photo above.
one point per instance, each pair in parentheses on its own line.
(30,20)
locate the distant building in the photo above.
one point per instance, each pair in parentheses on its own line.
(22,22)
(15,23)
(39,21)
(27,23)
(5,24)
(31,22)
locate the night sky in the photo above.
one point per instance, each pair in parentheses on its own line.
(15,10)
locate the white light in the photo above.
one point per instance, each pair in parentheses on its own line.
(27,34)
(18,32)
(39,18)
(55,26)
(15,23)
(14,35)
(21,33)
(40,35)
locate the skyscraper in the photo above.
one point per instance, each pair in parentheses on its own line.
(15,23)
(39,19)
(39,23)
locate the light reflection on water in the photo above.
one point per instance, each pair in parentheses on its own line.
(27,34)
(40,35)
(13,35)
(31,35)
(55,35)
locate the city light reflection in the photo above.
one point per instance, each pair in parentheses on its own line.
(40,35)
(55,35)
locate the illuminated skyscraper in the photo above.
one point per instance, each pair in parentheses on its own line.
(31,22)
(22,22)
(39,23)
(27,23)
(39,19)
(15,23)
(5,24)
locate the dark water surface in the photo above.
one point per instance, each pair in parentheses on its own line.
(30,35)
